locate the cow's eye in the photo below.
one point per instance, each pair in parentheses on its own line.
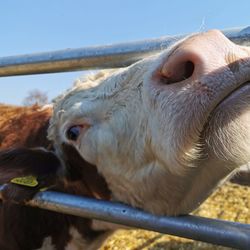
(73,132)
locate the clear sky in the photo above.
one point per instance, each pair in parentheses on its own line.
(29,26)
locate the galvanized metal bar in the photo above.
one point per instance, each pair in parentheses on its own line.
(213,231)
(109,56)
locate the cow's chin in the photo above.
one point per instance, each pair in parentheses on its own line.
(226,135)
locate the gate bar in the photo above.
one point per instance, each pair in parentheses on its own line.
(225,233)
(96,57)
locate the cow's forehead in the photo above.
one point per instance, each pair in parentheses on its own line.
(103,85)
(83,88)
(83,83)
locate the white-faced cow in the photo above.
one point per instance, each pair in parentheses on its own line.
(164,132)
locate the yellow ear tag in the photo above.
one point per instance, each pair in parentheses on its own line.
(28,181)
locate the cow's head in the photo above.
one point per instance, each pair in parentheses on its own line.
(166,130)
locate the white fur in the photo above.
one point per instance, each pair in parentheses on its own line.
(163,147)
(47,244)
(46,106)
(77,242)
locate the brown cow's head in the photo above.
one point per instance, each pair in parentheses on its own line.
(25,152)
(166,130)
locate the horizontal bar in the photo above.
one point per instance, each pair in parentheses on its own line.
(95,57)
(213,231)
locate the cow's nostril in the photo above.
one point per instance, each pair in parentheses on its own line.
(178,73)
(188,69)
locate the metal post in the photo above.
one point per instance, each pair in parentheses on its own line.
(213,231)
(109,56)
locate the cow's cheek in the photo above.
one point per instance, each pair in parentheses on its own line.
(98,145)
(87,146)
(170,124)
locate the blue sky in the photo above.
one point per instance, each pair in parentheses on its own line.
(43,25)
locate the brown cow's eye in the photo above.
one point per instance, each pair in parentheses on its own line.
(73,132)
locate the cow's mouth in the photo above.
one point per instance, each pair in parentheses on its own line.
(231,107)
(232,98)
(236,93)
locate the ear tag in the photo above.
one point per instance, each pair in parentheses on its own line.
(28,181)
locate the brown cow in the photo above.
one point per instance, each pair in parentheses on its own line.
(23,130)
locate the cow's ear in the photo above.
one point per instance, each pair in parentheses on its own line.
(24,172)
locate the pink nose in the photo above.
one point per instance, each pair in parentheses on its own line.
(201,54)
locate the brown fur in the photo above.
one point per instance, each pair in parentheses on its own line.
(21,227)
(24,126)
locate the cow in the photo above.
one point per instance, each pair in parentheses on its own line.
(26,151)
(159,135)
(167,130)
